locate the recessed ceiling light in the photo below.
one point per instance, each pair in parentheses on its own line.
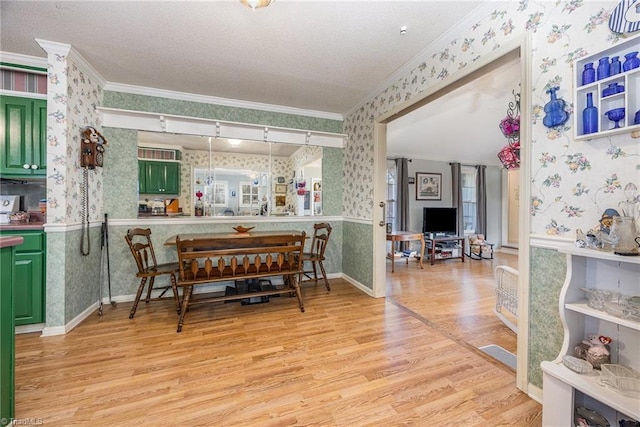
(234,142)
(403,30)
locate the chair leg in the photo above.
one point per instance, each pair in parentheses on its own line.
(149,289)
(174,288)
(315,273)
(185,305)
(296,285)
(324,275)
(138,295)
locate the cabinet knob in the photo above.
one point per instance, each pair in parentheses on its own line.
(26,166)
(34,166)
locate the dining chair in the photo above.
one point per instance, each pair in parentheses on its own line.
(139,241)
(315,256)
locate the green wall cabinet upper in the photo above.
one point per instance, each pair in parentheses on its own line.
(23,124)
(158,177)
(28,292)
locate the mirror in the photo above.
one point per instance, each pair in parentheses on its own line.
(243,178)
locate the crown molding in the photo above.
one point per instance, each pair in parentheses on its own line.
(29,61)
(205,99)
(73,55)
(434,47)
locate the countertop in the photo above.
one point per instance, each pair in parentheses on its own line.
(7,241)
(18,226)
(36,222)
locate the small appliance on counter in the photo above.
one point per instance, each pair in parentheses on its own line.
(9,204)
(172,206)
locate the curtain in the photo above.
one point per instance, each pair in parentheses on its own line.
(456,193)
(481,200)
(402,166)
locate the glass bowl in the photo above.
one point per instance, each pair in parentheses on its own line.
(596,298)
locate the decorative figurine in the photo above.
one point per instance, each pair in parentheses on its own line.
(555,114)
(595,350)
(607,220)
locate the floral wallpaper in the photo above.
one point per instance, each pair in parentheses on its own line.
(72,94)
(572,181)
(71,101)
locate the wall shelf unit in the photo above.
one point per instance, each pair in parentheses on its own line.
(564,389)
(629,99)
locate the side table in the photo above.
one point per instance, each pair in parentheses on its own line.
(404,236)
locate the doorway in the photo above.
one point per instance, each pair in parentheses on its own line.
(520,47)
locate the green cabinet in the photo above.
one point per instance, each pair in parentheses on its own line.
(29,286)
(158,177)
(7,334)
(23,136)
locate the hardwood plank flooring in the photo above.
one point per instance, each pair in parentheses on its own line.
(349,360)
(457,298)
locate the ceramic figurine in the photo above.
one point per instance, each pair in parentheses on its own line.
(607,220)
(555,114)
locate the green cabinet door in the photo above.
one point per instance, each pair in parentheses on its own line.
(23,136)
(28,288)
(39,137)
(142,177)
(172,178)
(7,340)
(30,278)
(158,177)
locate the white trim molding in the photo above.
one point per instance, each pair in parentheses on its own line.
(28,61)
(73,55)
(156,122)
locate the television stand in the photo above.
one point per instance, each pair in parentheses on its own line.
(445,247)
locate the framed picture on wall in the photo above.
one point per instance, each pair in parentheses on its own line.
(428,186)
(281,188)
(281,201)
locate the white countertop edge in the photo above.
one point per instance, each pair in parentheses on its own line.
(191,220)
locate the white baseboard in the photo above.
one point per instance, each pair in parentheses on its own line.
(356,284)
(61,330)
(27,329)
(534,392)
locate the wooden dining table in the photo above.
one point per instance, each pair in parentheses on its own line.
(171,240)
(247,259)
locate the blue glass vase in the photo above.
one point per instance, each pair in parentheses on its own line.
(615,66)
(588,74)
(589,116)
(631,61)
(604,68)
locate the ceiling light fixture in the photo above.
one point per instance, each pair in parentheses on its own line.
(403,30)
(256,4)
(234,142)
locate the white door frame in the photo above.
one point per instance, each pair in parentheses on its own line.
(522,45)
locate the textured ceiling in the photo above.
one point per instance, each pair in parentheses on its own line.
(314,55)
(322,57)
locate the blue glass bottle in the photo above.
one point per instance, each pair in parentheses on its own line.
(631,61)
(604,68)
(615,66)
(588,74)
(589,116)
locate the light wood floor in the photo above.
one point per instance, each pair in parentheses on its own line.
(349,360)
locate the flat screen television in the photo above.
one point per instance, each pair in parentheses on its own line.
(442,221)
